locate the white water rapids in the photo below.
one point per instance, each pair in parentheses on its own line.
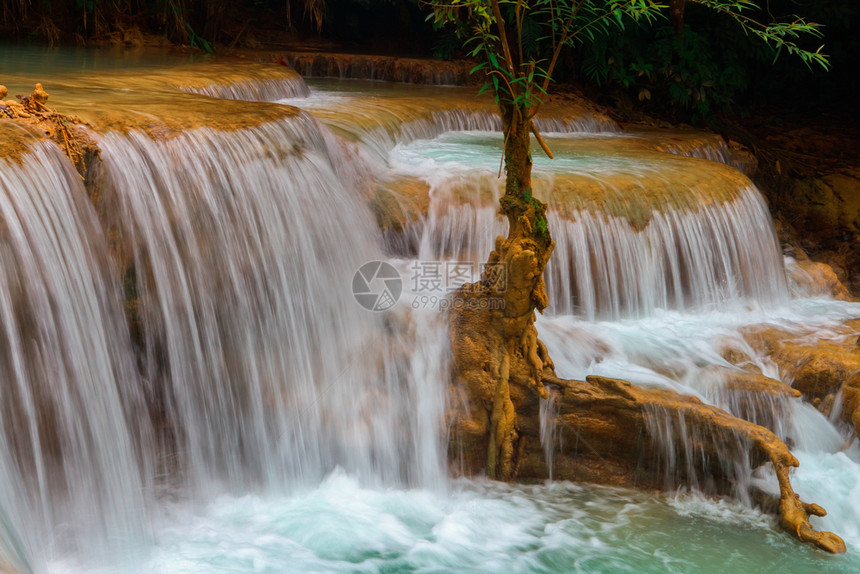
(259,420)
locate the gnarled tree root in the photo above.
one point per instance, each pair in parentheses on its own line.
(610,415)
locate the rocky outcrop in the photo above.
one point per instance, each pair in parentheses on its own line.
(825,371)
(825,212)
(613,432)
(33,112)
(818,278)
(819,214)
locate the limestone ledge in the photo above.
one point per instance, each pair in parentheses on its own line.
(154,103)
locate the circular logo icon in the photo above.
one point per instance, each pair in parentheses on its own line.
(377,286)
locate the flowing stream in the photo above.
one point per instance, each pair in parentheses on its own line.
(189,385)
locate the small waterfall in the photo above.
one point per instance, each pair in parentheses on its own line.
(451,230)
(269,373)
(550,408)
(409,115)
(709,255)
(604,268)
(587,124)
(73,424)
(440,122)
(713,151)
(381,140)
(254,90)
(700,460)
(768,409)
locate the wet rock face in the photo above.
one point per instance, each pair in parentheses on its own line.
(821,370)
(819,278)
(825,214)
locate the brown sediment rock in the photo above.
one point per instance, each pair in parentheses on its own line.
(681,184)
(603,423)
(753,396)
(819,278)
(32,111)
(39,95)
(397,203)
(830,204)
(224,72)
(17,138)
(741,158)
(671,183)
(818,368)
(739,358)
(756,384)
(155,104)
(823,218)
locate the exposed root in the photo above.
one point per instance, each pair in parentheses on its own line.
(503,433)
(794,513)
(609,415)
(530,350)
(499,360)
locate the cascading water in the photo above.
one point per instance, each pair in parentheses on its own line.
(73,427)
(700,254)
(254,90)
(676,279)
(244,245)
(604,268)
(306,430)
(410,113)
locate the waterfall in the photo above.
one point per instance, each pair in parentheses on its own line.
(409,114)
(188,384)
(73,424)
(604,268)
(705,253)
(549,411)
(683,455)
(254,90)
(269,373)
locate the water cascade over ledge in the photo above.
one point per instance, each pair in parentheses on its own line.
(243,248)
(73,428)
(190,385)
(630,238)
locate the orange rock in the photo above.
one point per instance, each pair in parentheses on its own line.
(819,369)
(820,278)
(39,95)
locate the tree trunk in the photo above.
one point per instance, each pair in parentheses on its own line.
(676,16)
(498,359)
